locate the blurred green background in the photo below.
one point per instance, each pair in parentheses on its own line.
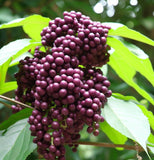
(136,14)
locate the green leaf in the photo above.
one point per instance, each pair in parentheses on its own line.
(8,86)
(16,61)
(150,143)
(115,136)
(15,49)
(135,50)
(143,64)
(126,98)
(148,114)
(118,29)
(3,70)
(151,149)
(104,69)
(127,118)
(151,139)
(14,23)
(32,25)
(126,65)
(17,142)
(145,111)
(24,113)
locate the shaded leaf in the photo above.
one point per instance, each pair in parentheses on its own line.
(17,142)
(115,136)
(104,69)
(24,113)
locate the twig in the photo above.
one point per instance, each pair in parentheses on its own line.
(17,102)
(98,144)
(5,104)
(109,145)
(137,151)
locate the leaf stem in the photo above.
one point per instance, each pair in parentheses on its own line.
(17,102)
(109,145)
(5,104)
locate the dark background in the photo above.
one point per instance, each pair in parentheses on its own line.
(138,15)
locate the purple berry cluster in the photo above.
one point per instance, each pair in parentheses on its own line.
(63,85)
(79,33)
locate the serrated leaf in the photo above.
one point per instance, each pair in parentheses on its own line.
(24,113)
(115,136)
(17,142)
(32,25)
(126,65)
(8,86)
(15,49)
(118,29)
(127,118)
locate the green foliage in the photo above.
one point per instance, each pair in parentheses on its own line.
(25,113)
(128,119)
(126,64)
(14,49)
(16,142)
(8,86)
(16,61)
(32,25)
(125,116)
(9,53)
(118,29)
(3,70)
(115,136)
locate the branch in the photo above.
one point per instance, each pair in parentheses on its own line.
(109,145)
(98,144)
(5,104)
(17,102)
